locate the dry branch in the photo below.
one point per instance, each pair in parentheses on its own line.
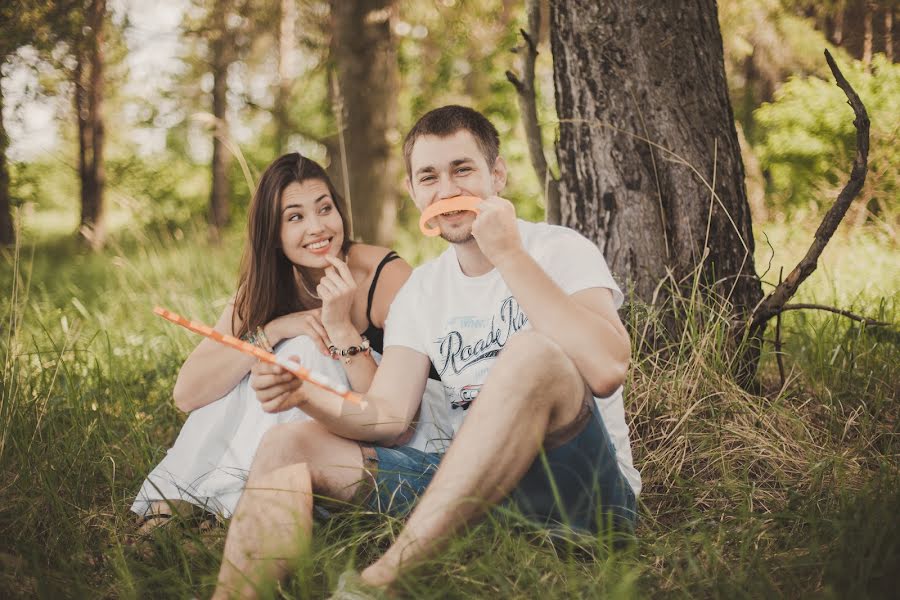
(775,302)
(527,99)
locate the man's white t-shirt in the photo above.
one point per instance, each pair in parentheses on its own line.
(462,323)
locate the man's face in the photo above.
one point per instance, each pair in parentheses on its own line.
(444,167)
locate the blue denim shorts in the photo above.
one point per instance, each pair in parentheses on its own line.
(577,484)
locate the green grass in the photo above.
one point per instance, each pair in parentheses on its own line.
(790,493)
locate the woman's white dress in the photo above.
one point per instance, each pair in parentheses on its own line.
(209,463)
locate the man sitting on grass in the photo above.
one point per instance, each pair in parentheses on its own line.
(520,321)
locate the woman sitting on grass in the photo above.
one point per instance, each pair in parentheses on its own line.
(305,289)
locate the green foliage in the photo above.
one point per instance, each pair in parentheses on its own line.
(806,139)
(787,494)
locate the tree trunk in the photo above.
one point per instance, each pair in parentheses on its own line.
(91,133)
(629,72)
(889,32)
(7,230)
(220,60)
(838,36)
(363,52)
(867,34)
(287,42)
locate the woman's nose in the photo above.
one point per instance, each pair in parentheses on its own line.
(314,224)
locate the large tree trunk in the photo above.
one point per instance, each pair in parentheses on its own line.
(91,133)
(628,72)
(363,52)
(220,59)
(7,231)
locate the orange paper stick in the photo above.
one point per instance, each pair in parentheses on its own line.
(443,206)
(232,342)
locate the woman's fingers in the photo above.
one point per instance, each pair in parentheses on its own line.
(319,336)
(342,269)
(327,289)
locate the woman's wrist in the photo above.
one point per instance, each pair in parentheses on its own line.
(343,335)
(273,332)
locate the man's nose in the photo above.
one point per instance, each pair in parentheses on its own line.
(448,189)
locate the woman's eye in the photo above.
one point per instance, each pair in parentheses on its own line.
(325,209)
(295,217)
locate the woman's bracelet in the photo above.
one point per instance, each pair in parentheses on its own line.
(348,353)
(259,339)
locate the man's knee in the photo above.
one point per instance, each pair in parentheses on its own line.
(538,355)
(284,444)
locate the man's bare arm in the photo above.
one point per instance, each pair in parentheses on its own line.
(385,412)
(585,324)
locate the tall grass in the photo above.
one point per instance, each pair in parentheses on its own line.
(789,493)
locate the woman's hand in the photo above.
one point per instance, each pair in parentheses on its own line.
(337,289)
(307,322)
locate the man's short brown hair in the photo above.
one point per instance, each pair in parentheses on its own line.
(447,120)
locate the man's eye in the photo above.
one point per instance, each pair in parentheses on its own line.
(463,170)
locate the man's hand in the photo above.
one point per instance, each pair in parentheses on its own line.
(495,229)
(276,389)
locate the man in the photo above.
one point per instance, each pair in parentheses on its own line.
(520,321)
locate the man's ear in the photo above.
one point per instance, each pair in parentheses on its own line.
(499,174)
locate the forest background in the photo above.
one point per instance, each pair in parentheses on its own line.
(136,193)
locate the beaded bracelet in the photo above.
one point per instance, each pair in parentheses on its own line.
(259,339)
(348,353)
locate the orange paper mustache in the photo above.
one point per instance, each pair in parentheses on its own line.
(444,206)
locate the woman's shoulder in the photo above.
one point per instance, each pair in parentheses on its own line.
(367,257)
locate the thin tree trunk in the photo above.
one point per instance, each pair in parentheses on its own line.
(286,44)
(94,212)
(646,130)
(85,144)
(363,53)
(838,36)
(7,230)
(221,159)
(889,31)
(867,34)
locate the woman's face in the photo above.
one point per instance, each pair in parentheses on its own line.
(311,226)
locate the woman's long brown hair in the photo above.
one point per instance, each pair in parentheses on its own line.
(266,287)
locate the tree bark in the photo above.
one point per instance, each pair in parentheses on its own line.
(364,56)
(7,229)
(646,130)
(838,36)
(889,31)
(867,34)
(220,59)
(91,131)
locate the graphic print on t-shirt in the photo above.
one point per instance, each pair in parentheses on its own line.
(464,353)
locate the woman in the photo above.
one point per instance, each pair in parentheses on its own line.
(304,289)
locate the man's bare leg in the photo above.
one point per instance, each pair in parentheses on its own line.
(273,520)
(533,389)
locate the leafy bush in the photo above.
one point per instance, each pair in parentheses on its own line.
(806,139)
